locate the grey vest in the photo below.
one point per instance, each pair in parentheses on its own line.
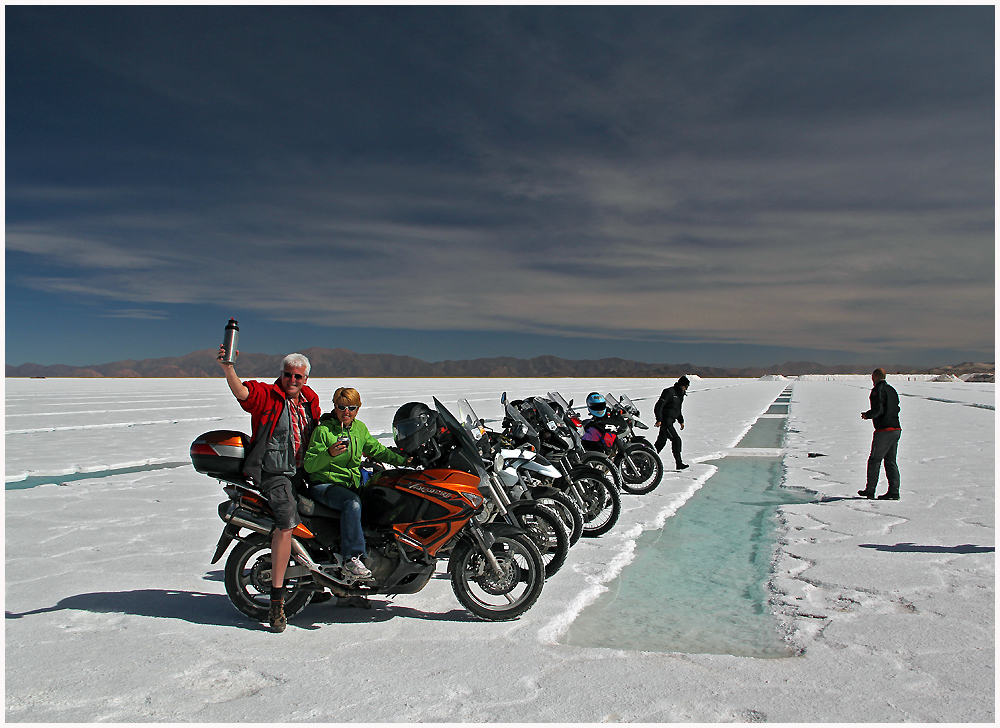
(279,459)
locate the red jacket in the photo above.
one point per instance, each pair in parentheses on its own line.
(265,403)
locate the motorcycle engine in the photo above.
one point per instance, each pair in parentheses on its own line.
(380,564)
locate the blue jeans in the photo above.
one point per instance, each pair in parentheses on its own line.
(348,502)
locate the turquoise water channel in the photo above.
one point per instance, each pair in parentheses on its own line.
(697,585)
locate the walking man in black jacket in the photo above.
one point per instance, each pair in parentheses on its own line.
(884,414)
(667,410)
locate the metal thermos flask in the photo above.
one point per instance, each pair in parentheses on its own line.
(229,343)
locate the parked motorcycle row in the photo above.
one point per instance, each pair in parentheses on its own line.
(503,506)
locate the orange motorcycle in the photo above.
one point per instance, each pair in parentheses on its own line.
(411,519)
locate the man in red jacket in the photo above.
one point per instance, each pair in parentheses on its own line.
(283,416)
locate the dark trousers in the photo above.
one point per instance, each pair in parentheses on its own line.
(667,432)
(884,445)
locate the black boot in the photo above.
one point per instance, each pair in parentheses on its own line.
(869,494)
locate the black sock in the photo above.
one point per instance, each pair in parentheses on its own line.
(277,593)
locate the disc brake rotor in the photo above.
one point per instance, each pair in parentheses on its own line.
(495,583)
(260,575)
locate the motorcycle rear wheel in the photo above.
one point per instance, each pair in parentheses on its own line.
(602,504)
(503,596)
(249,592)
(567,509)
(546,529)
(650,470)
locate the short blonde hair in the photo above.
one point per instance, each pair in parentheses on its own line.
(349,395)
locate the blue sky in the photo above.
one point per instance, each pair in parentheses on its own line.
(714,185)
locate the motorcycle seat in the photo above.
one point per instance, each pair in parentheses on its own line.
(312,508)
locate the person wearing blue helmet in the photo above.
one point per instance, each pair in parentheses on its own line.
(596,405)
(602,429)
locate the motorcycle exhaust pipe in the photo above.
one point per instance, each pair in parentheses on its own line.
(236,516)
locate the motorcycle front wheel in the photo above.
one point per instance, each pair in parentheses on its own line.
(546,529)
(568,511)
(606,465)
(248,582)
(601,502)
(492,595)
(648,470)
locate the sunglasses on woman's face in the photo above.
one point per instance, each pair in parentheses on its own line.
(289,375)
(347,407)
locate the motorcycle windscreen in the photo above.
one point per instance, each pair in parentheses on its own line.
(473,423)
(518,419)
(560,400)
(465,442)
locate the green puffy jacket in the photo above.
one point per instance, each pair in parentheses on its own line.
(345,469)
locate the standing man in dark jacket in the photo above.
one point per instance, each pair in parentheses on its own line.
(282,417)
(884,414)
(667,410)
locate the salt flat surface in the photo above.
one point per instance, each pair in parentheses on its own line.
(113,612)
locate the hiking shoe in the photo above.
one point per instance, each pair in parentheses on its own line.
(355,567)
(277,616)
(870,495)
(888,496)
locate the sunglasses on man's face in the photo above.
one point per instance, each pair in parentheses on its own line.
(347,407)
(289,375)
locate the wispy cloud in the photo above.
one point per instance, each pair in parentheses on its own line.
(706,175)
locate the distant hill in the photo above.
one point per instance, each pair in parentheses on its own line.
(346,363)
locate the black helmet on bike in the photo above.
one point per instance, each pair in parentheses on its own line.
(413,425)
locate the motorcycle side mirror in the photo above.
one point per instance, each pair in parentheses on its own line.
(571,403)
(503,398)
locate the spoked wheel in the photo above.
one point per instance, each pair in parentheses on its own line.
(248,581)
(547,531)
(601,502)
(607,467)
(568,511)
(642,470)
(498,595)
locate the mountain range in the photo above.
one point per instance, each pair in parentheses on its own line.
(346,363)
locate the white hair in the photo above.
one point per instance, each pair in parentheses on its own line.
(296,360)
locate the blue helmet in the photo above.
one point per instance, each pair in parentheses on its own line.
(596,404)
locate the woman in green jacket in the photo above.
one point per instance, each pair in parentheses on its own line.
(333,461)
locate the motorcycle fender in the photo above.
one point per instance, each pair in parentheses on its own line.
(546,470)
(544,491)
(642,439)
(228,534)
(520,505)
(489,530)
(509,478)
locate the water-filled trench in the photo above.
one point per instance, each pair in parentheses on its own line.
(36,480)
(698,585)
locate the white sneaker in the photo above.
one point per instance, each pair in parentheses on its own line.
(355,567)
